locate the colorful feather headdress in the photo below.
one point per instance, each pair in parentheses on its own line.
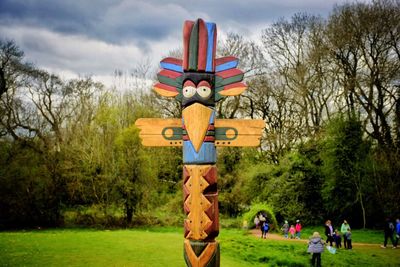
(199,48)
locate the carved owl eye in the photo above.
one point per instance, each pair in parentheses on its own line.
(204,89)
(189,89)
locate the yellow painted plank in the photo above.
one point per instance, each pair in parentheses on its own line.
(250,140)
(165,93)
(249,131)
(233,91)
(158,140)
(156,125)
(243,126)
(151,131)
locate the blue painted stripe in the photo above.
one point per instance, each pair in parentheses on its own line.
(227,66)
(212,118)
(206,155)
(170,66)
(210,46)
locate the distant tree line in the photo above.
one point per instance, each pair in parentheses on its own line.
(328,89)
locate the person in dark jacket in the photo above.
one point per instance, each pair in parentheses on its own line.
(388,231)
(397,232)
(338,239)
(348,239)
(266,229)
(316,247)
(329,230)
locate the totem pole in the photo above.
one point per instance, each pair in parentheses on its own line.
(198,82)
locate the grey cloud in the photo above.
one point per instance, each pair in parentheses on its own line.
(84,36)
(119,21)
(60,16)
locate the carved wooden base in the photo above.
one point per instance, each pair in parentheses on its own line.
(201,208)
(201,254)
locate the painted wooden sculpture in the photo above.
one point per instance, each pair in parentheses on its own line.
(198,82)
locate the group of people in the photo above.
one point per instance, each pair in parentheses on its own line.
(293,230)
(335,235)
(261,221)
(391,230)
(316,244)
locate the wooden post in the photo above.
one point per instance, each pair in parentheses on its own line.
(198,82)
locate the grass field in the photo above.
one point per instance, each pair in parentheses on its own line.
(164,247)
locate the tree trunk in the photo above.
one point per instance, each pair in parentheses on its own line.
(129,213)
(3,86)
(362,209)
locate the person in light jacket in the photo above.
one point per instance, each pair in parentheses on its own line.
(316,247)
(343,229)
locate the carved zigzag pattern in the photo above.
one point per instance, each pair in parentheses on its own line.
(201,210)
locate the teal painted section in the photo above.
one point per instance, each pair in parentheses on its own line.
(206,155)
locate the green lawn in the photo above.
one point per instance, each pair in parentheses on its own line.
(164,247)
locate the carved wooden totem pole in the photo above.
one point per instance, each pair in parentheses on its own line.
(198,82)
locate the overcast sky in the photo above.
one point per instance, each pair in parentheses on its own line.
(87,37)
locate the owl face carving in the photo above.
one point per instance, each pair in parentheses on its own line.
(198,88)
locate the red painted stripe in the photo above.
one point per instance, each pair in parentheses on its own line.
(223,60)
(206,139)
(211,127)
(229,73)
(187,30)
(215,47)
(186,191)
(211,175)
(166,87)
(172,60)
(203,41)
(170,74)
(234,85)
(209,139)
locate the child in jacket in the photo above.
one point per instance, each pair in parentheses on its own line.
(316,247)
(292,231)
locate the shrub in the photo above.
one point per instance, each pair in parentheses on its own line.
(255,208)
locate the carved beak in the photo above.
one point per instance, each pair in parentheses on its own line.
(196,119)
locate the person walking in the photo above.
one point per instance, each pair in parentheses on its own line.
(262,221)
(298,228)
(388,231)
(343,229)
(338,239)
(316,247)
(397,233)
(292,231)
(285,229)
(266,229)
(256,221)
(348,239)
(329,232)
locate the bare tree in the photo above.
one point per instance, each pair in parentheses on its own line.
(297,52)
(364,40)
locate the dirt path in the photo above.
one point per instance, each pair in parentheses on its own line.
(257,233)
